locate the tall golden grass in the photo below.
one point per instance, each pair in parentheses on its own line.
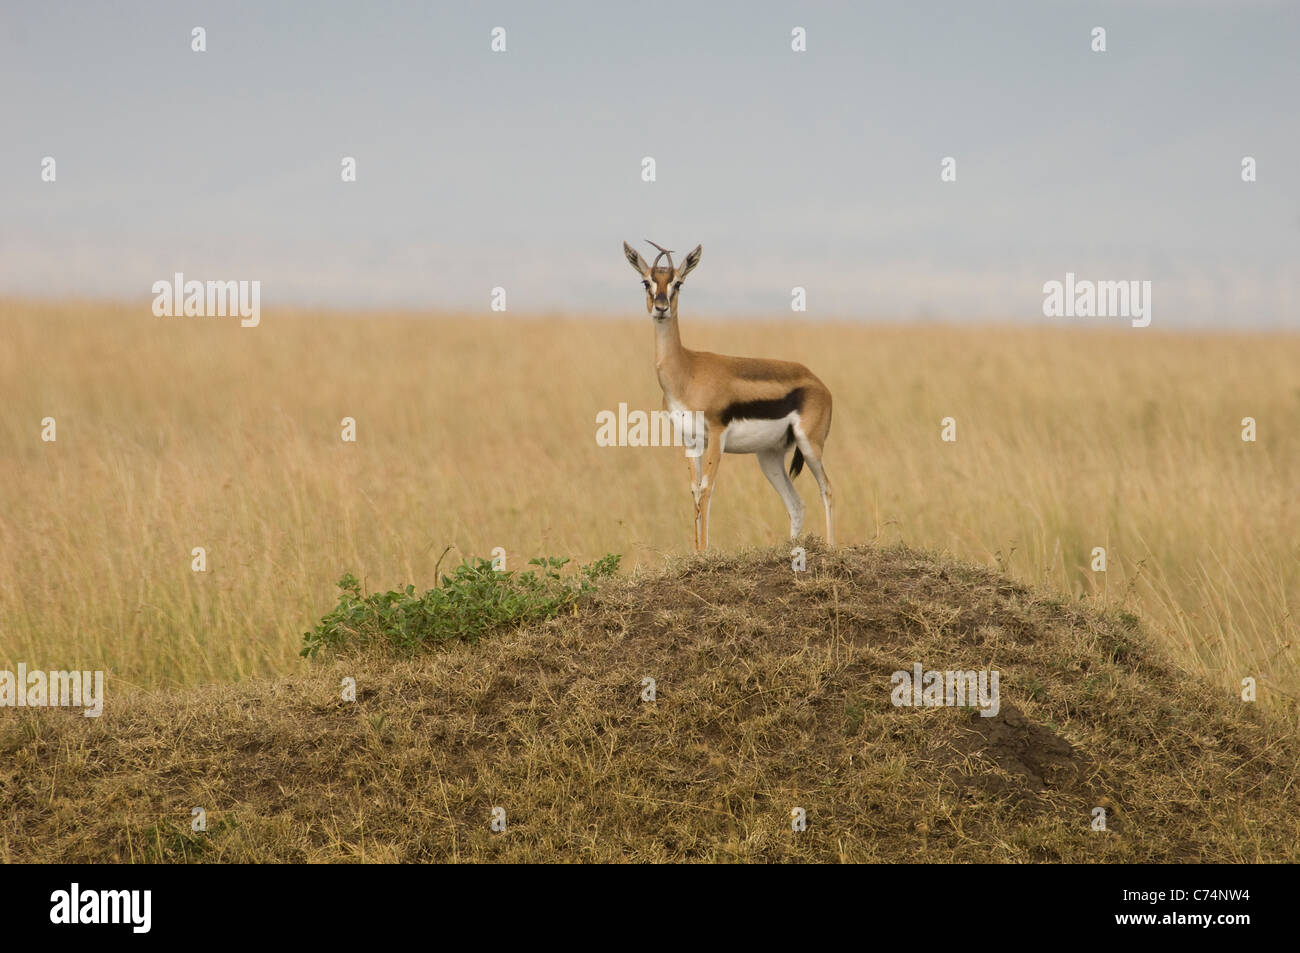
(476,432)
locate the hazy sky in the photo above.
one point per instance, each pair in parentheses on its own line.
(522,169)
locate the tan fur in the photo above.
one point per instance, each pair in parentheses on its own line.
(703,381)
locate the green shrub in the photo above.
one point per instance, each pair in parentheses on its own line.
(473,600)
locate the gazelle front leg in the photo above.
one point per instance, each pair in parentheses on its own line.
(712,457)
(693,470)
(693,440)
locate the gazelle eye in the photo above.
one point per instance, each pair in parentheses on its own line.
(677,287)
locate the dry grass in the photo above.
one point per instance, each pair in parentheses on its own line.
(479,432)
(773,692)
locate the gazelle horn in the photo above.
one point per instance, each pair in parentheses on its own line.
(662,251)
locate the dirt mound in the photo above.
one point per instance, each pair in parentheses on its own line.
(774,701)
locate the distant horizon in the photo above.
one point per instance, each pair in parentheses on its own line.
(435,313)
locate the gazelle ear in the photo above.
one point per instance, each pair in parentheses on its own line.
(635,260)
(689,262)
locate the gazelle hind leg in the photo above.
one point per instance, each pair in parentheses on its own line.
(824,484)
(812,456)
(772,463)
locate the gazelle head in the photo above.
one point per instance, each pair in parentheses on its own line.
(662,283)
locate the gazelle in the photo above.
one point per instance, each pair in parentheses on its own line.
(749,405)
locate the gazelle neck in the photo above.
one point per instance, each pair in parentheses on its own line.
(670,356)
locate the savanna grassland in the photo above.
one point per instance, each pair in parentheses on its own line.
(476,432)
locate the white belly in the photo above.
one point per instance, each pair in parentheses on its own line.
(753,436)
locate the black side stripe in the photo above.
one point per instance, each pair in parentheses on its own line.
(773,409)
